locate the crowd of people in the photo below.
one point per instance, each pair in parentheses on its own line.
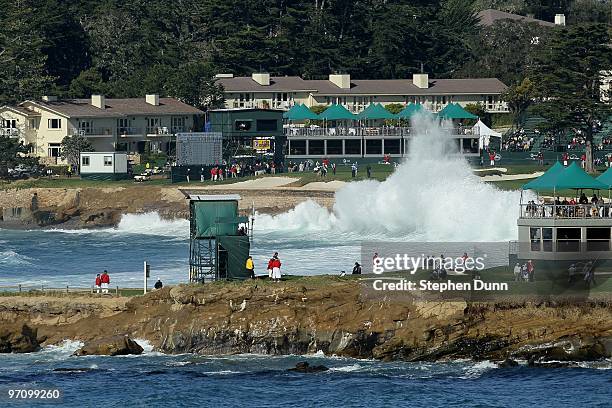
(518,141)
(570,208)
(525,272)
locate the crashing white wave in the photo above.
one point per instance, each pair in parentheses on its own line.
(433,195)
(13,258)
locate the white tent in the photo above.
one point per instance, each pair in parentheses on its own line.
(485,133)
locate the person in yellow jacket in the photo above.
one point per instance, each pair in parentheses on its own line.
(250,267)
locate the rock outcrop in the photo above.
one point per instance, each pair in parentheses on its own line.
(305,367)
(110,346)
(18,338)
(329,314)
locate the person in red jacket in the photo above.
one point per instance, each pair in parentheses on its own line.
(104,281)
(213,174)
(492,159)
(276,265)
(98,282)
(270,266)
(583,160)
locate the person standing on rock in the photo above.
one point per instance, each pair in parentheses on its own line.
(98,282)
(158,285)
(270,266)
(250,267)
(104,281)
(276,265)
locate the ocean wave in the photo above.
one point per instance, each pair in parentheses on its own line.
(13,258)
(476,370)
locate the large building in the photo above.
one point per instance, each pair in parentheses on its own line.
(110,124)
(264,91)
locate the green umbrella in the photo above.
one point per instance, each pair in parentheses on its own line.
(375,111)
(455,111)
(336,112)
(410,110)
(300,112)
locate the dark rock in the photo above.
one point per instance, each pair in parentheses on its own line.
(18,338)
(304,367)
(507,363)
(110,346)
(74,369)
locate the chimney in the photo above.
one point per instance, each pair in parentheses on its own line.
(152,99)
(262,78)
(99,101)
(49,98)
(341,80)
(560,19)
(420,80)
(224,76)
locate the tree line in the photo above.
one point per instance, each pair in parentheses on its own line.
(124,48)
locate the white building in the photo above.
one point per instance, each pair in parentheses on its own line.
(103,165)
(110,124)
(264,91)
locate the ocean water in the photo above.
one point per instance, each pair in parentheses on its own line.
(157,380)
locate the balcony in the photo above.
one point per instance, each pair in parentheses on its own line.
(10,132)
(359,131)
(91,132)
(165,130)
(129,131)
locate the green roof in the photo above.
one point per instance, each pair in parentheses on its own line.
(572,177)
(300,112)
(336,112)
(410,110)
(455,111)
(606,178)
(375,111)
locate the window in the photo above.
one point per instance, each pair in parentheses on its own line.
(547,237)
(54,149)
(267,125)
(392,146)
(352,146)
(108,160)
(54,124)
(568,239)
(31,123)
(178,124)
(297,147)
(85,161)
(373,146)
(10,123)
(243,125)
(334,147)
(85,127)
(598,239)
(316,147)
(534,238)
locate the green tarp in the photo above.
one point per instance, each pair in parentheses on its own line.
(410,110)
(572,177)
(375,111)
(336,112)
(455,111)
(300,112)
(233,253)
(215,218)
(606,178)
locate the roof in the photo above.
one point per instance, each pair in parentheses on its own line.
(547,180)
(410,110)
(20,110)
(83,108)
(366,86)
(375,111)
(606,177)
(211,197)
(491,16)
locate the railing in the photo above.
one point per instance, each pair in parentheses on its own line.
(43,289)
(91,131)
(129,131)
(365,131)
(10,132)
(566,211)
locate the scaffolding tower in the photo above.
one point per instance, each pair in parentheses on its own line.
(219,239)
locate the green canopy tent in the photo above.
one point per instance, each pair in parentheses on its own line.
(410,110)
(300,112)
(573,177)
(336,112)
(375,111)
(455,111)
(606,178)
(546,181)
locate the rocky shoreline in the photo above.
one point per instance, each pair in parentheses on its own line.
(91,207)
(310,315)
